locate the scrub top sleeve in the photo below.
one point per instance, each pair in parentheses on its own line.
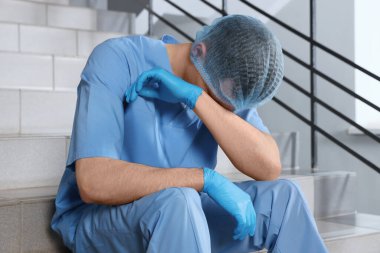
(253,118)
(98,129)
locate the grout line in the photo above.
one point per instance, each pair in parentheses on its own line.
(53,71)
(19,113)
(39,89)
(77,43)
(19,38)
(46,15)
(22,226)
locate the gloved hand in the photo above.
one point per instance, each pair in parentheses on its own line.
(234,200)
(161,84)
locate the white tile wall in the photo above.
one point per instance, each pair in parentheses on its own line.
(67,72)
(88,40)
(114,21)
(62,2)
(31,162)
(25,71)
(47,111)
(39,39)
(22,12)
(8,37)
(9,111)
(72,17)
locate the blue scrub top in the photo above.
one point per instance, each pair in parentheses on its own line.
(147,131)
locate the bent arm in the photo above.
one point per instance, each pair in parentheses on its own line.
(115,182)
(250,150)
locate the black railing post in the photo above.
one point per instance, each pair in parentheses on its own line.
(150,18)
(313,116)
(224,7)
(314,72)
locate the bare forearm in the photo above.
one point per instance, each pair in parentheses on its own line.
(251,151)
(116,182)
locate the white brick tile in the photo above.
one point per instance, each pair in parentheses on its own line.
(114,21)
(39,39)
(67,71)
(47,111)
(72,17)
(8,37)
(62,2)
(88,40)
(22,12)
(31,162)
(25,71)
(9,111)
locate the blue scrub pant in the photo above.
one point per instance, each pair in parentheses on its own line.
(182,220)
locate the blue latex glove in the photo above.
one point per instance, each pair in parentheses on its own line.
(161,84)
(233,199)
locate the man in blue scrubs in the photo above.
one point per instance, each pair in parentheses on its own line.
(139,176)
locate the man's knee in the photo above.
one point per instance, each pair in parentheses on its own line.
(178,197)
(176,206)
(289,187)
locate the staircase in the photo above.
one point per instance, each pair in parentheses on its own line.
(44,45)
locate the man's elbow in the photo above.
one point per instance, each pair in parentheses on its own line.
(87,185)
(267,172)
(274,171)
(87,192)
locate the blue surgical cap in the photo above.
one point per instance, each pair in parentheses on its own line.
(240,60)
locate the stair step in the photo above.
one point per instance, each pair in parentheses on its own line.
(42,162)
(306,184)
(25,71)
(345,238)
(35,206)
(10,110)
(334,193)
(357,219)
(34,112)
(47,13)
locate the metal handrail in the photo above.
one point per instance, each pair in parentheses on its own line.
(334,111)
(221,11)
(310,40)
(287,53)
(314,99)
(331,80)
(328,136)
(168,23)
(186,13)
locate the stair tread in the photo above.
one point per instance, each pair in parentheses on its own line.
(24,194)
(363,220)
(335,231)
(34,136)
(354,226)
(237,176)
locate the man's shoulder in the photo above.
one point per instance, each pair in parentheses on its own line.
(125,50)
(126,43)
